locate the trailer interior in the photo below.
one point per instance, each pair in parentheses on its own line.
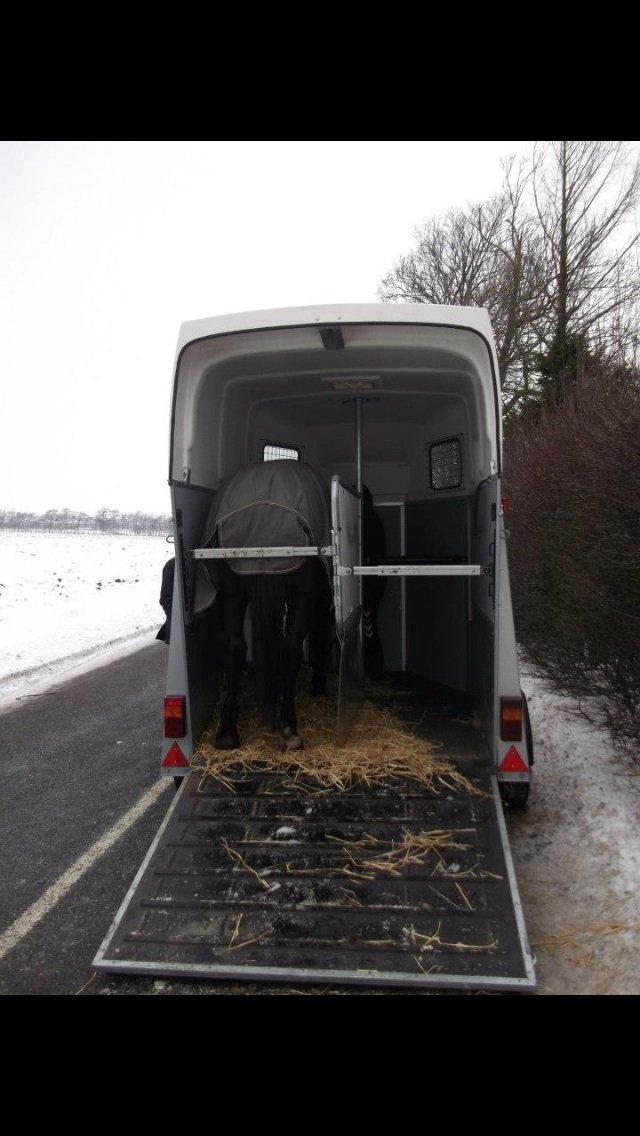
(430,455)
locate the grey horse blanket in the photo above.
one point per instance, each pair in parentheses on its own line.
(266,504)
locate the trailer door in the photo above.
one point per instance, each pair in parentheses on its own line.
(347,593)
(482,608)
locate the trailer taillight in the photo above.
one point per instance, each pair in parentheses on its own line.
(175,716)
(511,719)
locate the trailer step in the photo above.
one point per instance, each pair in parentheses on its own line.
(256,885)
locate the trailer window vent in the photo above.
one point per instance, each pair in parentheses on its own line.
(445,464)
(274,452)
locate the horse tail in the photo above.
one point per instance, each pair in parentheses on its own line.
(268,599)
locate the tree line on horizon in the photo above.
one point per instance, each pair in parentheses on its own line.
(73,521)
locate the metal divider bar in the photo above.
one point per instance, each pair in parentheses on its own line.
(260,553)
(415,570)
(342,569)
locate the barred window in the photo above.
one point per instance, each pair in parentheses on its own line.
(273,451)
(445,464)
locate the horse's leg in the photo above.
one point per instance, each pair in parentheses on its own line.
(302,597)
(233,608)
(373,653)
(319,637)
(268,598)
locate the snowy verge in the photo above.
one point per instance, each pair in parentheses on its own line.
(68,601)
(577,851)
(26,684)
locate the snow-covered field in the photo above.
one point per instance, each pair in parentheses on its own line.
(65,596)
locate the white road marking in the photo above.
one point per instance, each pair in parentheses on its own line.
(28,920)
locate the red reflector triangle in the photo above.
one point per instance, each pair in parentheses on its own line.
(175,756)
(513,763)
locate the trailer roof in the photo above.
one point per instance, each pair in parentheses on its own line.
(476,319)
(241,376)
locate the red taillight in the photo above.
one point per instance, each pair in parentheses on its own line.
(175,757)
(511,719)
(175,716)
(506,504)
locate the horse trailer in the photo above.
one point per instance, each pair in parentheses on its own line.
(405,400)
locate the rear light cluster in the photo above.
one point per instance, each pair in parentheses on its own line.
(175,725)
(511,719)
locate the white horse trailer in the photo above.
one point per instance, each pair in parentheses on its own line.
(404,399)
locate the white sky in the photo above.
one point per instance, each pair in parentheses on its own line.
(107,247)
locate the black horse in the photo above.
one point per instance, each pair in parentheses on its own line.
(285,609)
(281,503)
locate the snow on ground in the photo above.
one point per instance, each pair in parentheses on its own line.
(577,852)
(65,597)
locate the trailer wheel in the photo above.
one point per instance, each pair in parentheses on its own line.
(515,794)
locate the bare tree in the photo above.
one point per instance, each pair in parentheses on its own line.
(553,257)
(487,255)
(584,194)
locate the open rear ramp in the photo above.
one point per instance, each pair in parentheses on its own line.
(263,883)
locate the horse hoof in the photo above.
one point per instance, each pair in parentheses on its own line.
(227,739)
(290,741)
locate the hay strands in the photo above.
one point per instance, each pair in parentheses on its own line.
(428,942)
(382,750)
(239,860)
(234,945)
(574,938)
(394,857)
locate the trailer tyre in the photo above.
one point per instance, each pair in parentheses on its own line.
(515,794)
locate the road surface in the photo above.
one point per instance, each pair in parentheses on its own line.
(80,763)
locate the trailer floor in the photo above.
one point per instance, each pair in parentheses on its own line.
(254,885)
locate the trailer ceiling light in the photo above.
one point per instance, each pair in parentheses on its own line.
(175,716)
(354,382)
(511,719)
(332,338)
(175,758)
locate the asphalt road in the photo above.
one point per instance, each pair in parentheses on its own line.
(75,759)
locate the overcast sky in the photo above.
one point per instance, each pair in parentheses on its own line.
(107,247)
